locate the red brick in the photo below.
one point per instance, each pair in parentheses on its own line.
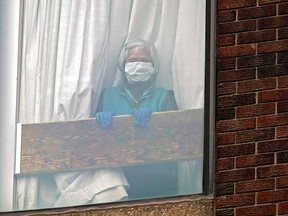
(228,4)
(236,75)
(272,46)
(256,60)
(283,33)
(225,138)
(256,12)
(236,100)
(263,210)
(226,113)
(255,110)
(272,196)
(282,157)
(254,185)
(225,212)
(283,58)
(235,150)
(256,85)
(282,132)
(283,82)
(272,95)
(272,22)
(255,135)
(273,70)
(226,64)
(283,8)
(254,160)
(225,164)
(224,189)
(270,1)
(235,125)
(226,40)
(235,200)
(270,63)
(283,208)
(272,120)
(256,36)
(226,88)
(228,15)
(282,182)
(272,171)
(233,27)
(272,146)
(282,106)
(234,51)
(235,175)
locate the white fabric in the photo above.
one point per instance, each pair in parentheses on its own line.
(188,64)
(70,50)
(64,56)
(188,68)
(138,71)
(81,187)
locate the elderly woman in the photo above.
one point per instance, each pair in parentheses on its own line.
(138,96)
(139,64)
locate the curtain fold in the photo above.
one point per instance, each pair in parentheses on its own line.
(41,21)
(70,54)
(188,63)
(188,69)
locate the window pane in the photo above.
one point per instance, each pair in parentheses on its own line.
(105,59)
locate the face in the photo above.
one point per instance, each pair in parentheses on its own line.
(138,67)
(139,54)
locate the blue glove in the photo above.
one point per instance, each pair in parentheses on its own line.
(142,116)
(104,119)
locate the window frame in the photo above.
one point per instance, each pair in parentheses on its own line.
(210,99)
(209,107)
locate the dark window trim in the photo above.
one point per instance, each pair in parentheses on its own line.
(210,98)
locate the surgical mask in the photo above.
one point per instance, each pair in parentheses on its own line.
(138,71)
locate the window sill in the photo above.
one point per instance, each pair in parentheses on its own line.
(186,205)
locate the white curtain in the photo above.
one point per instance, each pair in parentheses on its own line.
(70,50)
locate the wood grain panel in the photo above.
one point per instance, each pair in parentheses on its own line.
(82,144)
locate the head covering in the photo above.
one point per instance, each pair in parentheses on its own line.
(135,43)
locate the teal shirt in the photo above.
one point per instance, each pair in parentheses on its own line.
(115,100)
(159,99)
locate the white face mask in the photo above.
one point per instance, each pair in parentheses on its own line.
(138,71)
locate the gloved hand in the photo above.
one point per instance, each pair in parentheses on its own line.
(104,119)
(142,116)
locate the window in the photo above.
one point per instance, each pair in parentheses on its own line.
(69,54)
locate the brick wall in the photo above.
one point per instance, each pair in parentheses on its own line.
(252,108)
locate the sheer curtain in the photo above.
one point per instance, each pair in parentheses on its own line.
(70,50)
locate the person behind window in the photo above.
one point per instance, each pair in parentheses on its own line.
(138,96)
